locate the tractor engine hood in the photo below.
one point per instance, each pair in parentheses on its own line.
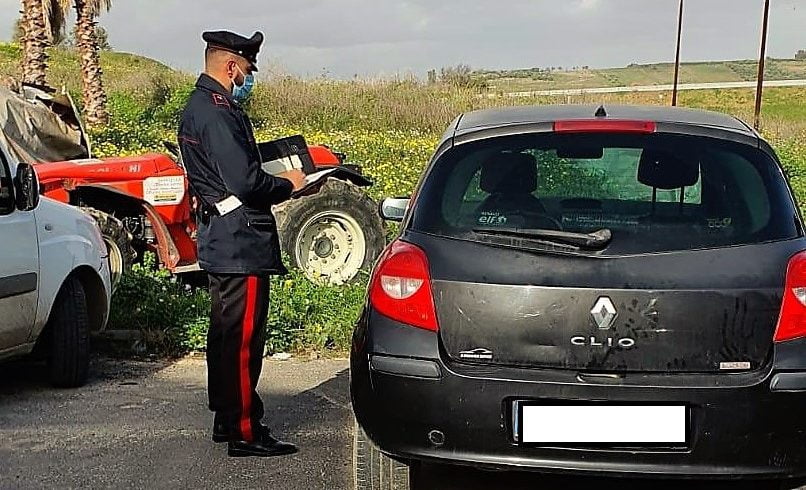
(108,170)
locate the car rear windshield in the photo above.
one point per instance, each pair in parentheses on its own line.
(649,193)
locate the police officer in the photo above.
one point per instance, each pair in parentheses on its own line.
(238,244)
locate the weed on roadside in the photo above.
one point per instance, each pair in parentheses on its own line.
(173,318)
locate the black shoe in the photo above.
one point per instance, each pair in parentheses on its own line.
(264,446)
(220,432)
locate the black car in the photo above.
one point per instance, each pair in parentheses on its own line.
(614,290)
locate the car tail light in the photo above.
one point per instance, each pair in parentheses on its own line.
(401,286)
(792,320)
(604,126)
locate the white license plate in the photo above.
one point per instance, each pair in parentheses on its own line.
(602,424)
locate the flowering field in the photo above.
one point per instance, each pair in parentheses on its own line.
(393,159)
(392,135)
(371,124)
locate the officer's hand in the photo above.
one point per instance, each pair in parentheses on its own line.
(296,177)
(311,190)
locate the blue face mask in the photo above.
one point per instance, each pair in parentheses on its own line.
(241,92)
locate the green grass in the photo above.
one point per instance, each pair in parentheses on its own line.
(122,71)
(174,319)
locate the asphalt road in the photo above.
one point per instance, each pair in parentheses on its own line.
(145,425)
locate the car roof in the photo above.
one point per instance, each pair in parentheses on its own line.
(506,116)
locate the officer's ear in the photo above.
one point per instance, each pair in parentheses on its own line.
(236,73)
(232,69)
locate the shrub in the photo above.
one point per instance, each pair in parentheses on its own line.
(131,130)
(792,153)
(462,76)
(172,318)
(168,101)
(309,316)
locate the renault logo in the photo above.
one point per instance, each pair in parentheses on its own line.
(604,313)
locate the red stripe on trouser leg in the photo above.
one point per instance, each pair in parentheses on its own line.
(246,339)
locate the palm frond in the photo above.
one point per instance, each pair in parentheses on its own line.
(97,7)
(55,15)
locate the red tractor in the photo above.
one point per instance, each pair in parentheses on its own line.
(142,204)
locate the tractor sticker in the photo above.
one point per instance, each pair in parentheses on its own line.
(164,191)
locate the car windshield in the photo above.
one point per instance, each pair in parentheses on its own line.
(648,193)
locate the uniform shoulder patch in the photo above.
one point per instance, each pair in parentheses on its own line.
(219,99)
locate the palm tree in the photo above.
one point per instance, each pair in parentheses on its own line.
(94,94)
(34,42)
(41,24)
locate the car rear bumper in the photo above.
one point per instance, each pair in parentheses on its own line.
(739,429)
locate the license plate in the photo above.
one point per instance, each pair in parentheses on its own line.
(601,424)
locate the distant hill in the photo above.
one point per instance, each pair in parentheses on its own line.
(131,72)
(122,71)
(653,74)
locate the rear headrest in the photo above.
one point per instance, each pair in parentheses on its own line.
(509,173)
(665,170)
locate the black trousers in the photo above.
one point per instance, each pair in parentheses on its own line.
(235,343)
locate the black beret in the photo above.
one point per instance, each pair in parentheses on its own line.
(234,43)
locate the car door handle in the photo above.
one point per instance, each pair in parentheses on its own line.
(48,227)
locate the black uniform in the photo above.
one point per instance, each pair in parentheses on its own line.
(222,160)
(239,249)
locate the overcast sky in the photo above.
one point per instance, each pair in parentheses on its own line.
(343,38)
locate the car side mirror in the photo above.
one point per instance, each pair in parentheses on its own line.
(26,187)
(394,208)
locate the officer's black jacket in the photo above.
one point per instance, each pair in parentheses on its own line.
(222,159)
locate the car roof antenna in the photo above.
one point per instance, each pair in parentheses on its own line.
(600,112)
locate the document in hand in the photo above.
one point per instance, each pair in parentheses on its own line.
(313,180)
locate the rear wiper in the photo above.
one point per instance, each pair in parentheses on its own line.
(596,240)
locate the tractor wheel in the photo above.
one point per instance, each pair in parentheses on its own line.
(332,235)
(118,242)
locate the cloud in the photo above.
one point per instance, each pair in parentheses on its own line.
(370,37)
(588,4)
